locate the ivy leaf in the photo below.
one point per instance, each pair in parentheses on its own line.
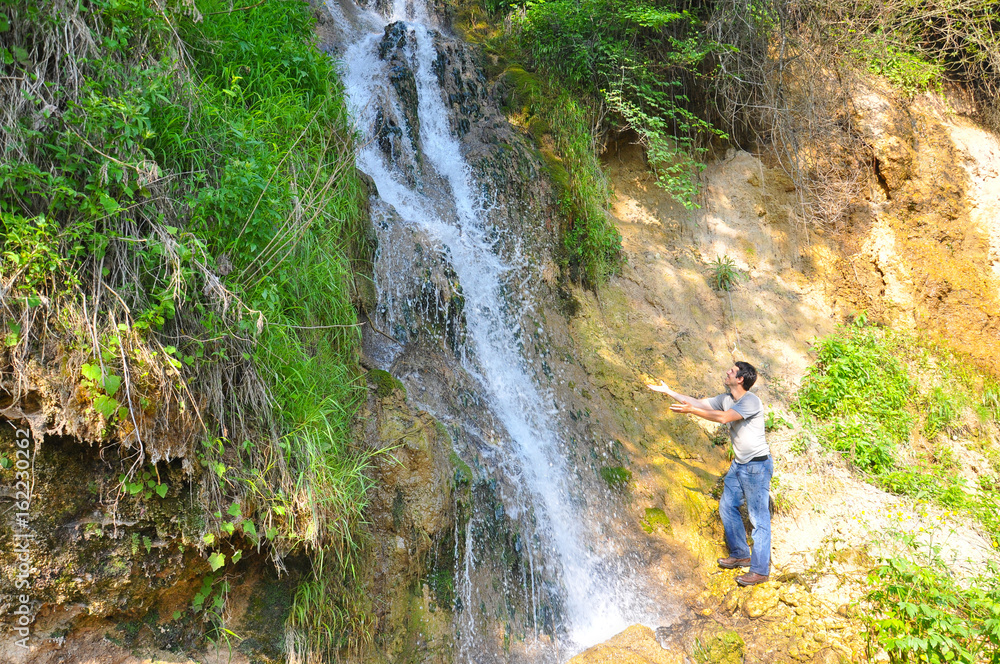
(236,556)
(106,406)
(111,384)
(216,560)
(161,490)
(208,539)
(249,528)
(91,372)
(234,510)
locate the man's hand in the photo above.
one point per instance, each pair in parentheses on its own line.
(681,407)
(662,387)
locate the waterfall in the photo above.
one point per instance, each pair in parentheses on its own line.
(426,189)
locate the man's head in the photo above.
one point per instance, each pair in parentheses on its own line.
(742,374)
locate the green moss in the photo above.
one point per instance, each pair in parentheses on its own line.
(617,477)
(723,648)
(463,474)
(656,519)
(384,383)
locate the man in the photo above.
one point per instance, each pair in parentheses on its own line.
(749,476)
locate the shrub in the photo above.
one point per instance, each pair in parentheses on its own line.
(922,614)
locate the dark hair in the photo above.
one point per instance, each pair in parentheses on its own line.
(747,373)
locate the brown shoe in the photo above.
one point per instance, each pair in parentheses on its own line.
(751,579)
(733,563)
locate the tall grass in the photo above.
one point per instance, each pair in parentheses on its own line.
(186,177)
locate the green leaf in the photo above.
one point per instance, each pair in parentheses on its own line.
(234,510)
(216,560)
(110,205)
(177,615)
(236,556)
(229,528)
(271,533)
(111,384)
(4,23)
(134,488)
(91,372)
(208,539)
(249,528)
(161,490)
(106,406)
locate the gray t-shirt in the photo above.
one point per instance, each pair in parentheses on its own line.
(747,434)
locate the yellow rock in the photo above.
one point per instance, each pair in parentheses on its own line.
(762,599)
(636,645)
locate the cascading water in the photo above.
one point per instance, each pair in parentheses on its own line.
(427,195)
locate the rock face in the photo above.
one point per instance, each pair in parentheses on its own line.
(418,489)
(922,244)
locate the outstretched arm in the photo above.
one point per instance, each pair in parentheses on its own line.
(710,414)
(683,398)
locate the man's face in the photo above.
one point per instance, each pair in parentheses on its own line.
(731,379)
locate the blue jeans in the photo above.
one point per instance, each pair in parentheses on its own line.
(749,482)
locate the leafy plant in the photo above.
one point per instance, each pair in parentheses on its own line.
(774,421)
(145,484)
(940,412)
(725,275)
(639,60)
(922,613)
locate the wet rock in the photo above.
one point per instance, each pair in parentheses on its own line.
(762,599)
(636,645)
(733,600)
(724,648)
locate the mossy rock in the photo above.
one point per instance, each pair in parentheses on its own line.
(618,478)
(722,648)
(656,519)
(384,383)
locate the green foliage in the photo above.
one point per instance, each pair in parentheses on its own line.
(145,484)
(773,422)
(640,60)
(906,70)
(941,411)
(601,65)
(385,383)
(189,183)
(591,242)
(921,613)
(860,392)
(858,399)
(724,273)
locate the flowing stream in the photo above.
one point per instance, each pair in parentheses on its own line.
(573,594)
